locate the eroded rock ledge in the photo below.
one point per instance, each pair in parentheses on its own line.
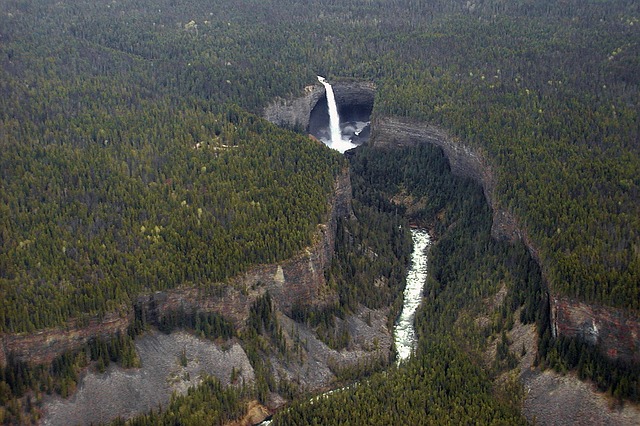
(296,280)
(296,113)
(615,330)
(299,280)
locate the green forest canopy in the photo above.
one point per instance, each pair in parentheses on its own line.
(101,106)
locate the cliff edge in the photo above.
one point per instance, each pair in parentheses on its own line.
(616,331)
(296,280)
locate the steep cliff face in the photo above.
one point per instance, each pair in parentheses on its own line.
(294,113)
(353,99)
(43,346)
(391,132)
(354,95)
(299,280)
(616,331)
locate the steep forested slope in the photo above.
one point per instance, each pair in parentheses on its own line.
(551,101)
(109,190)
(549,92)
(130,161)
(448,380)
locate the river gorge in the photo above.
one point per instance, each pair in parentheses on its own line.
(300,278)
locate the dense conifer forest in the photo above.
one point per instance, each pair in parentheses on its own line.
(133,158)
(123,92)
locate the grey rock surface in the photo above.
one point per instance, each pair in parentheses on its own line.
(126,392)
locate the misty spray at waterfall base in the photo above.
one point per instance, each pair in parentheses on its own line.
(339,135)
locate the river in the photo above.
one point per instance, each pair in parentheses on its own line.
(404,331)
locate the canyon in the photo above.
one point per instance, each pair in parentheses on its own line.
(308,113)
(300,281)
(615,331)
(309,364)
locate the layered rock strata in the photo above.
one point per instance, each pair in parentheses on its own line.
(616,331)
(43,346)
(299,280)
(297,112)
(354,94)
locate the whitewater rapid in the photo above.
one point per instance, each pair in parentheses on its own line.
(404,332)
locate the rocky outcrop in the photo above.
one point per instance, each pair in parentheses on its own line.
(310,364)
(299,280)
(295,112)
(101,397)
(354,94)
(43,346)
(354,100)
(616,331)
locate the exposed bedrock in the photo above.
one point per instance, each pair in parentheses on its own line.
(175,362)
(294,112)
(299,280)
(615,330)
(43,346)
(101,397)
(309,112)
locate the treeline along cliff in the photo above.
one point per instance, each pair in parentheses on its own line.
(133,158)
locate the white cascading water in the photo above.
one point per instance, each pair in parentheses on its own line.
(336,141)
(405,337)
(404,332)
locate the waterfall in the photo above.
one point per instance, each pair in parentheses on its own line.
(334,118)
(336,142)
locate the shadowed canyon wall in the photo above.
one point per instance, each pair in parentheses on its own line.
(615,330)
(309,112)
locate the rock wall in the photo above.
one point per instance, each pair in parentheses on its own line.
(392,132)
(358,93)
(615,330)
(43,346)
(294,113)
(297,280)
